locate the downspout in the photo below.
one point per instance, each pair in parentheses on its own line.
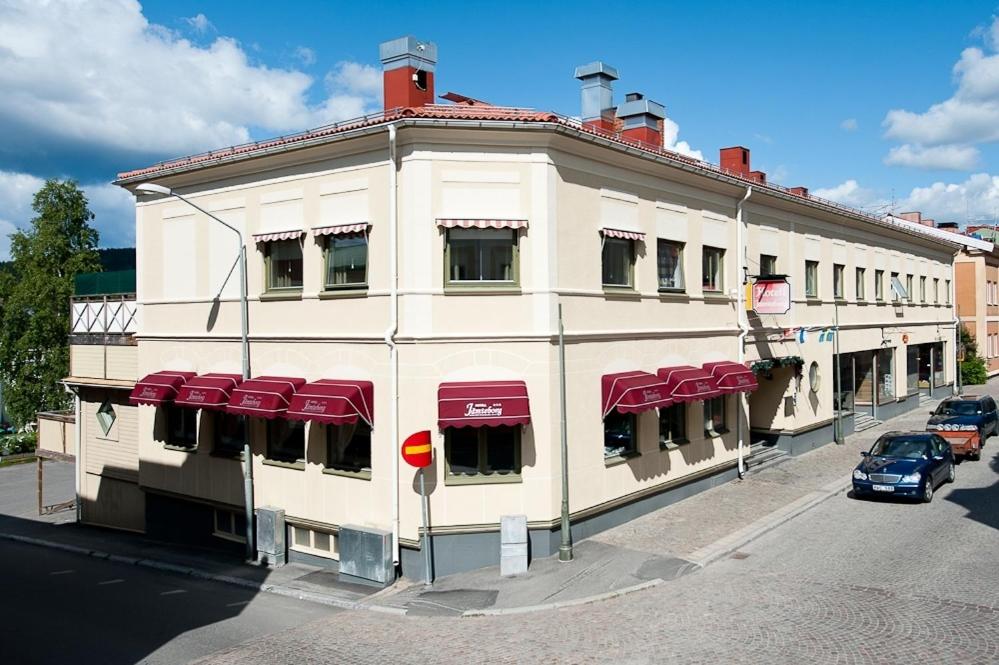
(390,333)
(957,328)
(740,243)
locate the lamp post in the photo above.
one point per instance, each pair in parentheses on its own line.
(152,188)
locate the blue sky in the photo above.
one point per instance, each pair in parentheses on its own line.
(864,102)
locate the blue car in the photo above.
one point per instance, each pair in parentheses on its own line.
(908,464)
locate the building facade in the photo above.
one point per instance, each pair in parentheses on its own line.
(976,270)
(409,271)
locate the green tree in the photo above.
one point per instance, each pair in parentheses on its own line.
(35,290)
(973,371)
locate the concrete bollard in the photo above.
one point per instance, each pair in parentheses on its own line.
(513,545)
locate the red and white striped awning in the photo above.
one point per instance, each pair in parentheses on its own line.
(633,392)
(208,391)
(159,387)
(482,223)
(620,233)
(689,384)
(333,402)
(264,397)
(482,404)
(732,377)
(340,229)
(280,235)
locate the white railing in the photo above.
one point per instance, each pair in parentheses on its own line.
(104,315)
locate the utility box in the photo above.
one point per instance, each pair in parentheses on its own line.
(513,545)
(366,555)
(272,545)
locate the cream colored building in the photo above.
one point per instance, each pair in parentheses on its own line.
(977,272)
(435,244)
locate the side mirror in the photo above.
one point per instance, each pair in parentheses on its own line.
(864,453)
(933,413)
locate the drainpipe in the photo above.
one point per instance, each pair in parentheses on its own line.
(77,441)
(390,333)
(740,243)
(957,330)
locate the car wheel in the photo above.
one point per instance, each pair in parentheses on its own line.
(951,473)
(928,491)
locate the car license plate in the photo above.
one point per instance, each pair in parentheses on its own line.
(883,488)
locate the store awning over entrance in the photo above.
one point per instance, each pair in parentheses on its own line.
(633,392)
(732,377)
(208,391)
(159,388)
(688,384)
(482,404)
(334,402)
(264,397)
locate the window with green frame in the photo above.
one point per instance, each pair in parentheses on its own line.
(482,453)
(348,447)
(714,416)
(182,427)
(283,261)
(673,425)
(620,435)
(228,433)
(286,440)
(346,261)
(617,259)
(481,257)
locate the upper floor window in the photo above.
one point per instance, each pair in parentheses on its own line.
(713,269)
(670,265)
(861,284)
(481,256)
(768,264)
(839,288)
(909,293)
(879,284)
(936,290)
(618,262)
(811,279)
(947,290)
(346,261)
(897,290)
(283,265)
(922,288)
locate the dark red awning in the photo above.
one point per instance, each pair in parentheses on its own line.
(159,387)
(732,377)
(633,392)
(334,402)
(208,391)
(264,397)
(688,384)
(482,404)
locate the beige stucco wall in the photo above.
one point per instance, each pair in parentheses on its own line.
(99,361)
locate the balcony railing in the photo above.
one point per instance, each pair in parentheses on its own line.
(109,319)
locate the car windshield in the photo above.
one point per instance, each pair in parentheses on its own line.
(908,447)
(959,408)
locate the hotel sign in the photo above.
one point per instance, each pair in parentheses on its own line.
(771,296)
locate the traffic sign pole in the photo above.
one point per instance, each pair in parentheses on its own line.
(417,451)
(429,576)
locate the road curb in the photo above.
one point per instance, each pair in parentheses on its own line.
(564,603)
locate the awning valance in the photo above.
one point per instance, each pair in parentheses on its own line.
(278,235)
(482,223)
(622,233)
(159,387)
(732,377)
(264,397)
(633,392)
(688,384)
(340,229)
(482,404)
(208,391)
(334,402)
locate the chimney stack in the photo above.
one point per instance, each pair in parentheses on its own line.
(641,119)
(597,94)
(799,191)
(408,66)
(734,160)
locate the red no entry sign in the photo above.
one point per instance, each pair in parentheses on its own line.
(416,449)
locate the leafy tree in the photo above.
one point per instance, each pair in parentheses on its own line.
(35,290)
(973,371)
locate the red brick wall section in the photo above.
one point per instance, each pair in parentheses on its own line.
(401,90)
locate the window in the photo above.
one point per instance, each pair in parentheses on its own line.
(105,416)
(228,434)
(286,440)
(896,287)
(936,290)
(620,437)
(714,416)
(839,288)
(712,269)
(768,264)
(922,289)
(947,290)
(182,427)
(230,525)
(670,265)
(861,285)
(811,279)
(284,265)
(481,256)
(348,447)
(483,453)
(879,284)
(346,261)
(618,257)
(673,425)
(909,293)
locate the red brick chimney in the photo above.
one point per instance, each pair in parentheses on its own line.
(799,191)
(408,66)
(734,160)
(641,119)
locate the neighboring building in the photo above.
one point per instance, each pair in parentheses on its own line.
(406,272)
(976,270)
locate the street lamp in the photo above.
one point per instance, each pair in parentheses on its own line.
(152,188)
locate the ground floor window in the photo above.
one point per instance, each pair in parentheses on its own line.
(714,416)
(620,436)
(182,427)
(286,440)
(482,452)
(229,433)
(673,425)
(230,525)
(348,447)
(886,375)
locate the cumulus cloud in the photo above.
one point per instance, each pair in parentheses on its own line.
(98,77)
(849,125)
(199,23)
(671,131)
(852,194)
(952,157)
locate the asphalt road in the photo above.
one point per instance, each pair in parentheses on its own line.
(58,607)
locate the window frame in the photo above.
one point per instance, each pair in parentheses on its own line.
(767,258)
(106,417)
(606,242)
(681,246)
(936,290)
(328,253)
(339,467)
(709,410)
(189,421)
(230,530)
(269,288)
(812,271)
(947,291)
(719,252)
(879,285)
(892,278)
(483,284)
(269,450)
(909,291)
(860,287)
(668,417)
(839,281)
(483,477)
(632,450)
(218,449)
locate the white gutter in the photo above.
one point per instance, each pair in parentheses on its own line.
(740,243)
(390,332)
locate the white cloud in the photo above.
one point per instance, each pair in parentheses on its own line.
(671,132)
(100,75)
(355,79)
(850,193)
(849,125)
(199,23)
(306,55)
(954,157)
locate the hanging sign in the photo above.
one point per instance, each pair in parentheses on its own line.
(771,296)
(417,450)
